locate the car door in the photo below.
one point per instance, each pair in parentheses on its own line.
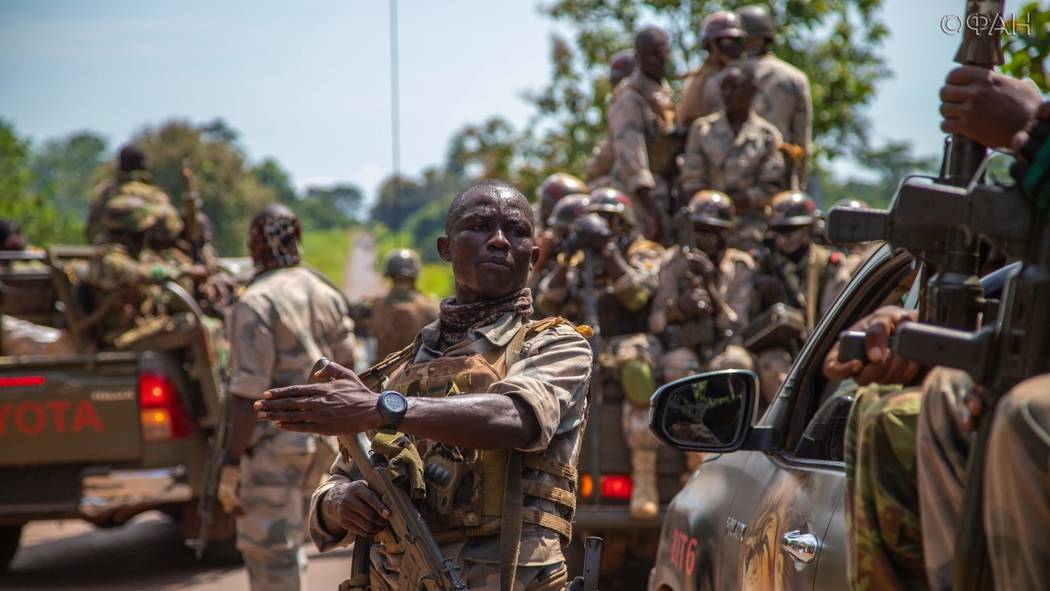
(788,498)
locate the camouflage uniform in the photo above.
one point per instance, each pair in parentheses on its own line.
(397,318)
(284,321)
(551,376)
(640,115)
(628,359)
(746,163)
(134,183)
(882,504)
(694,102)
(782,99)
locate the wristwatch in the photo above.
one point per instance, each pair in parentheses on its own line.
(392,406)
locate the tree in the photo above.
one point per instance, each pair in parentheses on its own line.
(833,41)
(66,170)
(273,176)
(1027,45)
(325,208)
(41,221)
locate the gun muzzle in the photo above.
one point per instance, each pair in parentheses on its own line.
(847,225)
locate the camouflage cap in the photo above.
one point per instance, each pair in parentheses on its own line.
(610,200)
(131,214)
(792,208)
(402,262)
(719,25)
(712,208)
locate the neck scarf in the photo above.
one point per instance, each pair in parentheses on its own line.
(457,319)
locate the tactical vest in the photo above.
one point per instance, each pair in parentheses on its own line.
(465,487)
(662,145)
(614,318)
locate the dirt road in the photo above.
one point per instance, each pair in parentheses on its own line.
(360,278)
(146,553)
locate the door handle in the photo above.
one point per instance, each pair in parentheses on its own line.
(801,546)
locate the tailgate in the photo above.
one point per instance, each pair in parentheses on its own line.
(69,410)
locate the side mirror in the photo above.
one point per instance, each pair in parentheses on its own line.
(709,412)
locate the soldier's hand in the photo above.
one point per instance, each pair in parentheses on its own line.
(337,407)
(694,302)
(986,106)
(883,365)
(356,508)
(229,476)
(196,272)
(700,264)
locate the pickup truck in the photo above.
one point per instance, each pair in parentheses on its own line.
(100,435)
(765,509)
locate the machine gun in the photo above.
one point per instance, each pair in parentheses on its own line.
(1014,346)
(406,525)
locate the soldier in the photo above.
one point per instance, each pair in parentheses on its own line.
(735,151)
(286,318)
(624,282)
(804,277)
(397,317)
(516,389)
(132,178)
(783,91)
(723,38)
(125,285)
(641,122)
(551,191)
(552,239)
(600,164)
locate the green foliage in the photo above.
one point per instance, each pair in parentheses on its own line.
(338,206)
(66,170)
(327,251)
(435,278)
(42,222)
(273,176)
(1028,48)
(230,192)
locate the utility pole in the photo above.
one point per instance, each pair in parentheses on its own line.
(395,107)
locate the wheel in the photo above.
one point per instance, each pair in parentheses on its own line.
(10,535)
(223,552)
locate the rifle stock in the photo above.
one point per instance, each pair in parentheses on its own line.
(406,525)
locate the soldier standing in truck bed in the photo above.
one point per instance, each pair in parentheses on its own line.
(491,396)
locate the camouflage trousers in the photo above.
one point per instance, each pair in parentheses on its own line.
(1016,480)
(271,491)
(387,575)
(884,545)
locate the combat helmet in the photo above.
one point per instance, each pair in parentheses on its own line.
(621,66)
(712,208)
(131,214)
(554,188)
(610,200)
(757,21)
(567,210)
(792,209)
(719,25)
(402,262)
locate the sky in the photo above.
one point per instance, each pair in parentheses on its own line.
(309,84)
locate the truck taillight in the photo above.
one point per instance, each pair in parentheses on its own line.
(614,486)
(161,416)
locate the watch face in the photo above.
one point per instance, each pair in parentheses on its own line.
(394,402)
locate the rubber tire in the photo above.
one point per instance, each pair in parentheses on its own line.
(10,536)
(223,552)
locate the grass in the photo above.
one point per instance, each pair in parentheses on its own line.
(327,251)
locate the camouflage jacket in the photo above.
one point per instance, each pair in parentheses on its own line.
(735,271)
(746,163)
(551,377)
(132,183)
(810,285)
(694,102)
(623,304)
(641,112)
(396,318)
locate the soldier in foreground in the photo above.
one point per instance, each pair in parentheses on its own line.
(723,38)
(625,271)
(494,401)
(286,317)
(735,151)
(641,117)
(396,318)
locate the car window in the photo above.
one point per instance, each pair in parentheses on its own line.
(823,405)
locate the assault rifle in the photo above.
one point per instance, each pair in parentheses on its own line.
(405,524)
(212,470)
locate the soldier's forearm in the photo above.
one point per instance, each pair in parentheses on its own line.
(478,421)
(242,422)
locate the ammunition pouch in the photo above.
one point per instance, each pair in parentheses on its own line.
(664,150)
(778,327)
